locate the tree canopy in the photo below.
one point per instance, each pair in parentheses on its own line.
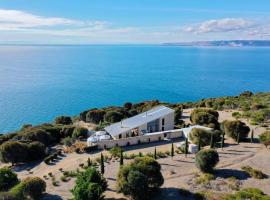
(140,176)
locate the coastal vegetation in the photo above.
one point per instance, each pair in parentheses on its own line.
(139,177)
(135,178)
(236,129)
(90,184)
(265,138)
(11,188)
(202,136)
(207,159)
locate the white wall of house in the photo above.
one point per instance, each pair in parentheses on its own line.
(169,122)
(154,137)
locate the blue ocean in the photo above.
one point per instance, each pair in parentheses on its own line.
(38,83)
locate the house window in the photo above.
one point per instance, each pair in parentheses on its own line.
(162,128)
(120,136)
(163,122)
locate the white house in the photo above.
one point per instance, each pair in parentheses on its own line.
(158,119)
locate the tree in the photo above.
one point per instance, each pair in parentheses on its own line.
(178,116)
(199,144)
(246,94)
(113,116)
(222,140)
(155,153)
(102,167)
(89,162)
(212,141)
(186,147)
(36,151)
(144,171)
(252,136)
(128,105)
(80,132)
(32,187)
(137,183)
(265,138)
(7,179)
(236,128)
(90,184)
(207,159)
(172,150)
(205,117)
(121,158)
(13,152)
(204,135)
(95,116)
(66,120)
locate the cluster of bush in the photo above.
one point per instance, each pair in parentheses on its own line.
(235,129)
(18,152)
(115,114)
(12,188)
(30,142)
(254,106)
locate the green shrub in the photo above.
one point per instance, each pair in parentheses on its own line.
(128,105)
(7,179)
(68,141)
(253,172)
(115,152)
(248,193)
(13,152)
(80,132)
(207,159)
(236,115)
(233,128)
(204,135)
(265,138)
(7,196)
(65,120)
(138,177)
(66,131)
(89,185)
(113,116)
(205,117)
(36,150)
(204,178)
(31,187)
(95,116)
(178,116)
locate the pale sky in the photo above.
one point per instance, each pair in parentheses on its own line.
(131,22)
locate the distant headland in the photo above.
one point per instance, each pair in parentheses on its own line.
(226,43)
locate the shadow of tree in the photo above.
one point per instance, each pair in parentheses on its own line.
(170,193)
(51,197)
(226,173)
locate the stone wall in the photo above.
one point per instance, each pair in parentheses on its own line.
(148,138)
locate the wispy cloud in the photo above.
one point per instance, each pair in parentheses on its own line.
(16,25)
(19,20)
(221,25)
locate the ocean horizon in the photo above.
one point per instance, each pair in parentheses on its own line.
(40,82)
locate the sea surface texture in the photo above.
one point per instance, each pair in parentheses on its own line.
(38,83)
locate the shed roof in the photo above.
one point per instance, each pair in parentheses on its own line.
(138,120)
